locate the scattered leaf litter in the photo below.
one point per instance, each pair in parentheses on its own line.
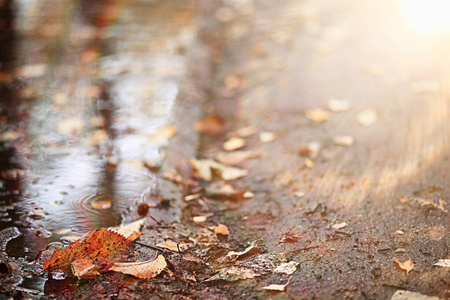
(407,295)
(174,246)
(343,140)
(145,269)
(129,229)
(367,117)
(236,157)
(407,265)
(317,115)
(339,225)
(277,287)
(337,105)
(222,230)
(248,252)
(425,202)
(443,263)
(286,268)
(233,144)
(267,136)
(205,168)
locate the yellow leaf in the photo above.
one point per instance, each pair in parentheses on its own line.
(407,265)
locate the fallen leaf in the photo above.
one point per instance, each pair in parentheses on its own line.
(286,268)
(206,166)
(248,252)
(233,144)
(308,163)
(407,265)
(104,204)
(339,225)
(336,105)
(101,245)
(277,287)
(311,149)
(267,136)
(367,117)
(146,269)
(84,268)
(174,246)
(407,295)
(222,230)
(443,263)
(212,125)
(400,250)
(343,140)
(129,229)
(317,115)
(199,219)
(425,202)
(236,157)
(425,87)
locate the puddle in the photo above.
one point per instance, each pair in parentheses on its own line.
(77,126)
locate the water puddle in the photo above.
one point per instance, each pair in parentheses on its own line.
(86,89)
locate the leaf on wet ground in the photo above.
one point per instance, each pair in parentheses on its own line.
(339,225)
(84,268)
(222,230)
(310,149)
(146,269)
(337,105)
(267,136)
(286,268)
(205,168)
(317,115)
(343,140)
(174,246)
(236,157)
(101,245)
(212,125)
(407,265)
(129,229)
(443,263)
(233,143)
(367,117)
(425,202)
(407,295)
(277,287)
(246,269)
(248,252)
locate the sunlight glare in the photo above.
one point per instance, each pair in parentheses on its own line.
(427,16)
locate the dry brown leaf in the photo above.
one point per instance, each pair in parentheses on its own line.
(222,230)
(317,115)
(425,202)
(407,265)
(199,219)
(343,140)
(145,269)
(248,252)
(236,157)
(212,125)
(84,268)
(308,163)
(101,245)
(233,144)
(286,268)
(174,246)
(407,295)
(277,287)
(367,117)
(336,105)
(206,166)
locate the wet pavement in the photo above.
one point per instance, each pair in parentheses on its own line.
(98,105)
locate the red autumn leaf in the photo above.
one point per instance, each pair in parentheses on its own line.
(101,246)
